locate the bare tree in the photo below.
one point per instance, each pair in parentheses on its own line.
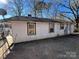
(41,5)
(16,6)
(54,9)
(32,5)
(3,12)
(72,8)
(37,6)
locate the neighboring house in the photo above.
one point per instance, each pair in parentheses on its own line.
(31,28)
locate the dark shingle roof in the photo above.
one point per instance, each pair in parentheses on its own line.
(24,18)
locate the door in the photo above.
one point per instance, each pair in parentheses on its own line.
(66,29)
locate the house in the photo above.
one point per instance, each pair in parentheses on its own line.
(32,28)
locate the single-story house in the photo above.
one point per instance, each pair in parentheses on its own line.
(32,28)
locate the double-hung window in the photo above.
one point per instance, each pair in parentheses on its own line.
(31,28)
(51,27)
(61,25)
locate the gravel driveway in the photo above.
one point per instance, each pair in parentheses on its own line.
(64,47)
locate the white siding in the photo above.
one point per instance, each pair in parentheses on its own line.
(42,31)
(72,28)
(58,30)
(19,31)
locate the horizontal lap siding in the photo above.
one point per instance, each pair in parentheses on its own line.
(58,30)
(42,31)
(19,31)
(72,28)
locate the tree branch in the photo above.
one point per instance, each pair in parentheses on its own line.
(65,12)
(72,10)
(67,17)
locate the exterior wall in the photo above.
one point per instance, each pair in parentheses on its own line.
(58,30)
(72,28)
(19,30)
(42,31)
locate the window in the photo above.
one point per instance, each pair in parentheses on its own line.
(51,27)
(31,28)
(61,25)
(8,26)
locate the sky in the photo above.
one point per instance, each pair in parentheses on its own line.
(4,3)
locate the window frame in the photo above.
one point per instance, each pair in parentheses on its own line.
(61,27)
(50,23)
(28,28)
